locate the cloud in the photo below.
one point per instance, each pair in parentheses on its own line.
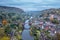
(30,5)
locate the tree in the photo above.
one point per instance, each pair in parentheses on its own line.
(58,36)
(55,21)
(46,19)
(4,22)
(7,30)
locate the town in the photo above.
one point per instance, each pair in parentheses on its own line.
(16,24)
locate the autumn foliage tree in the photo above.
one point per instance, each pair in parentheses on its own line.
(58,36)
(4,22)
(55,21)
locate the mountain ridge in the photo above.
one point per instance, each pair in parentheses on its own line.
(8,9)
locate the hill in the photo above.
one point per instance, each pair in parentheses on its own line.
(51,11)
(11,13)
(7,9)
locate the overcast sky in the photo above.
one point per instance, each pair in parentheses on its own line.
(31,5)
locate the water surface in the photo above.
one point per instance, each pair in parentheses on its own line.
(26,32)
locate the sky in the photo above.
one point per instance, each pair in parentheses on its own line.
(31,5)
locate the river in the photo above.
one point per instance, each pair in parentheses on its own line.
(26,32)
